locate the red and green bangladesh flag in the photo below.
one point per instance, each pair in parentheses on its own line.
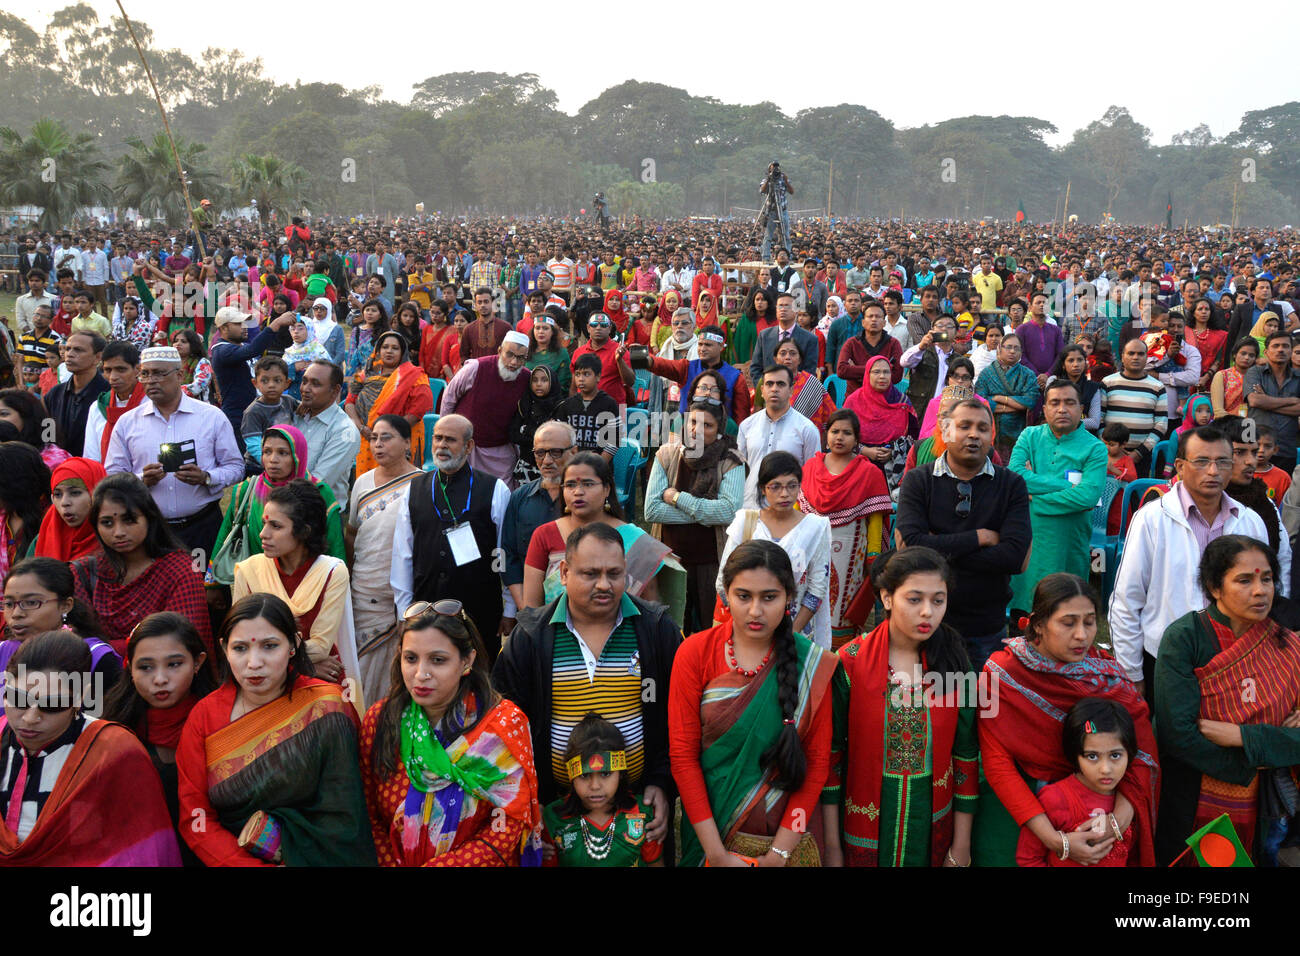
(1216,844)
(1020,213)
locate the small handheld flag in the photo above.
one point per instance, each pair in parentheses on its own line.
(1216,844)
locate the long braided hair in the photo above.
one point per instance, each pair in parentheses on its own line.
(785,759)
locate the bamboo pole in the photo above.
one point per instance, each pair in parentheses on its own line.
(180,172)
(1232,226)
(830,185)
(1065,213)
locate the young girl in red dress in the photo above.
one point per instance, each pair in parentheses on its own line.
(1099,738)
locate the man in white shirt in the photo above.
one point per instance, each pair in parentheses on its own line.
(775,427)
(561,268)
(121,366)
(94,273)
(895,320)
(26,305)
(1156,582)
(678,277)
(189,495)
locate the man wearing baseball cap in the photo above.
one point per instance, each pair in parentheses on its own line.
(230,356)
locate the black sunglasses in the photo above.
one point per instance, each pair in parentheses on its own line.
(963,499)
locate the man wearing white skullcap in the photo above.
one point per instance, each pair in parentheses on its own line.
(486,391)
(188,496)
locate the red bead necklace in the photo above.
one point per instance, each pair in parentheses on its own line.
(731,660)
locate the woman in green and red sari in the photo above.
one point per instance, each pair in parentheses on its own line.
(749,718)
(1222,750)
(1028,688)
(389,385)
(904,776)
(270,758)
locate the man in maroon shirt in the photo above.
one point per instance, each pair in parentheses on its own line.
(484,335)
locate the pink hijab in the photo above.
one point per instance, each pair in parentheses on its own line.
(882,416)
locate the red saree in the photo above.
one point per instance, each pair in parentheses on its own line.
(1028,705)
(1272,674)
(107,769)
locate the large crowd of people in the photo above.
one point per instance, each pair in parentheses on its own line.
(569,543)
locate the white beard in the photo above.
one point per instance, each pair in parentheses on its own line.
(506,374)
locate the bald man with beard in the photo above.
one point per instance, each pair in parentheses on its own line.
(486,391)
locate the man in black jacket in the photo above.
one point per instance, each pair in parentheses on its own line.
(595,648)
(1244,317)
(976,515)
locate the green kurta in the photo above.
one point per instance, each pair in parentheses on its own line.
(741,341)
(1060,513)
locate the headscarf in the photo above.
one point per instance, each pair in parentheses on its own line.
(535,410)
(711,317)
(614,309)
(670,303)
(56,539)
(321,329)
(883,416)
(263,485)
(1189,415)
(824,323)
(1257,330)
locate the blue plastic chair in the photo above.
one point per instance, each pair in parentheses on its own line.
(624,468)
(1133,493)
(430,420)
(838,389)
(638,426)
(1162,455)
(1102,542)
(641,390)
(437,386)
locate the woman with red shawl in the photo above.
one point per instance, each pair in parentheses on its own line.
(888,420)
(904,776)
(633,332)
(1028,688)
(842,486)
(66,533)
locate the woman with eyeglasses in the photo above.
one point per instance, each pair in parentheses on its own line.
(446,762)
(269,759)
(369,534)
(63,773)
(710,388)
(1011,389)
(588,488)
(295,566)
(40,596)
(805,537)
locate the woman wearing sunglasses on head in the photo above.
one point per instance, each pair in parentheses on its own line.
(447,763)
(66,775)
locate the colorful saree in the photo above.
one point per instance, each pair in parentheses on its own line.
(901,766)
(483,812)
(294,759)
(248,498)
(740,718)
(405,391)
(1272,673)
(107,769)
(1027,704)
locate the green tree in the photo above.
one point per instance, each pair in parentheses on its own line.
(52,169)
(147,181)
(450,91)
(1110,149)
(276,184)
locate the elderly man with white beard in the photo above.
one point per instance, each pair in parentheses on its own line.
(447,533)
(486,391)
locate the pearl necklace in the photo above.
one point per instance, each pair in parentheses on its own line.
(599,847)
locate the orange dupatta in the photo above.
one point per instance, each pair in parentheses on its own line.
(405,393)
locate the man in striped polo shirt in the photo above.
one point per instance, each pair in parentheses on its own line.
(1138,401)
(595,648)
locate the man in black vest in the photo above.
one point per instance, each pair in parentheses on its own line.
(448,534)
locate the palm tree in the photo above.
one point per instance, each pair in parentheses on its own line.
(146,178)
(275,184)
(52,169)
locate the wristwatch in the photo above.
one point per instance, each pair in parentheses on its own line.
(207,479)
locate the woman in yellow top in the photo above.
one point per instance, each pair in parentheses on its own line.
(294,567)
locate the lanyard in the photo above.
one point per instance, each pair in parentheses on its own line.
(451,511)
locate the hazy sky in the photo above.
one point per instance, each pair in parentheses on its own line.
(1058,63)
